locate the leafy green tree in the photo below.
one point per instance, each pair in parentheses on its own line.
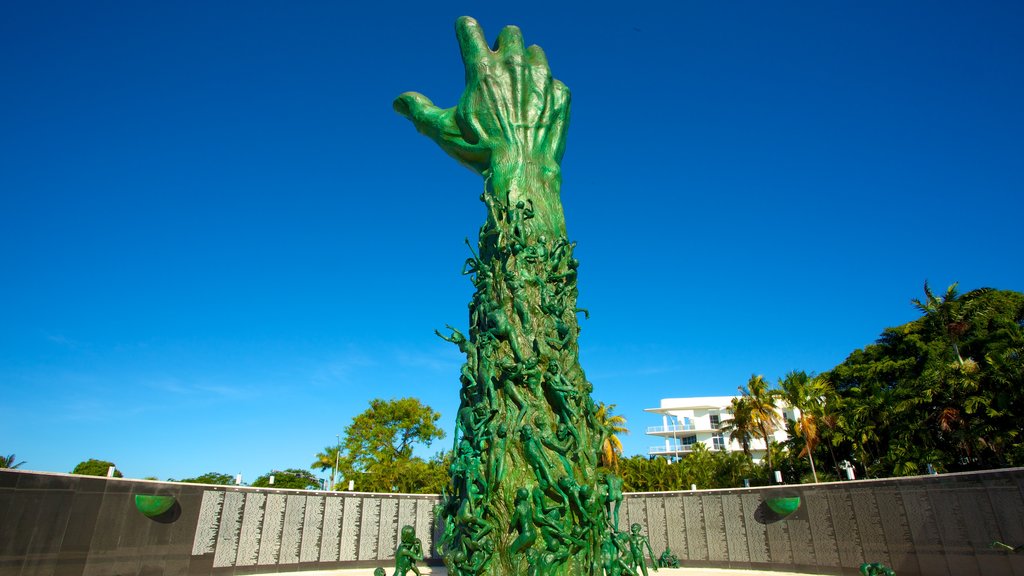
(805,394)
(699,467)
(209,478)
(741,426)
(292,478)
(733,468)
(327,460)
(10,461)
(943,390)
(950,316)
(378,444)
(765,419)
(611,448)
(93,467)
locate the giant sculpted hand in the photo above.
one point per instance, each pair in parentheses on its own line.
(511,115)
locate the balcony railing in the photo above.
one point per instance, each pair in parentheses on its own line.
(672,450)
(671,428)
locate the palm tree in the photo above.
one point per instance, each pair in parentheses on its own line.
(8,462)
(613,424)
(327,460)
(762,410)
(950,314)
(740,427)
(804,393)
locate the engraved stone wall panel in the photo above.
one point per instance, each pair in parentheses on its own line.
(869,526)
(780,550)
(273,525)
(312,528)
(924,531)
(407,515)
(696,546)
(352,512)
(388,537)
(800,540)
(369,529)
(330,541)
(980,524)
(637,511)
(1005,496)
(656,529)
(205,541)
(252,527)
(291,532)
(735,528)
(898,541)
(823,535)
(952,528)
(714,525)
(845,525)
(424,523)
(230,528)
(1009,509)
(676,523)
(757,532)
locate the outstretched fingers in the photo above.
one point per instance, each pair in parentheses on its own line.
(426,117)
(472,43)
(510,41)
(536,57)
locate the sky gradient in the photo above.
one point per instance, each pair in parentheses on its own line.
(220,242)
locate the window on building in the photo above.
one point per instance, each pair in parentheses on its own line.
(688,440)
(715,421)
(718,442)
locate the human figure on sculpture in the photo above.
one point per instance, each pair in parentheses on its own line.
(614,496)
(522,520)
(535,457)
(668,559)
(637,543)
(409,551)
(558,389)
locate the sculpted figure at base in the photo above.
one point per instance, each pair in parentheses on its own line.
(408,553)
(668,559)
(638,544)
(526,495)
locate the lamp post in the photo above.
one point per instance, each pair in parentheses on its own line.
(337,459)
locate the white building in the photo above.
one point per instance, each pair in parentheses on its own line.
(686,422)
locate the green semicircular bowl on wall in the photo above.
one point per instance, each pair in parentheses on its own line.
(152,505)
(783,506)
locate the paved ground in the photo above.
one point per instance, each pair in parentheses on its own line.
(441,571)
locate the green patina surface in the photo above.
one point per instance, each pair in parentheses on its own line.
(151,505)
(527,496)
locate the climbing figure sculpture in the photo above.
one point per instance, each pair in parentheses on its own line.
(536,502)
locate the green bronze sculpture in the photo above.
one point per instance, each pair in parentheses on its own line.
(668,559)
(638,543)
(409,551)
(526,496)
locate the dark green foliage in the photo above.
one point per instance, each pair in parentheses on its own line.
(703,467)
(93,467)
(946,389)
(292,478)
(208,478)
(10,461)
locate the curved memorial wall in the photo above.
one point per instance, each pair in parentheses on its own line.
(66,525)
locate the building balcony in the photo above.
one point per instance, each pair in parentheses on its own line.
(674,450)
(671,428)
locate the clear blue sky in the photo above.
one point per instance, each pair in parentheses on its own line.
(219,242)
